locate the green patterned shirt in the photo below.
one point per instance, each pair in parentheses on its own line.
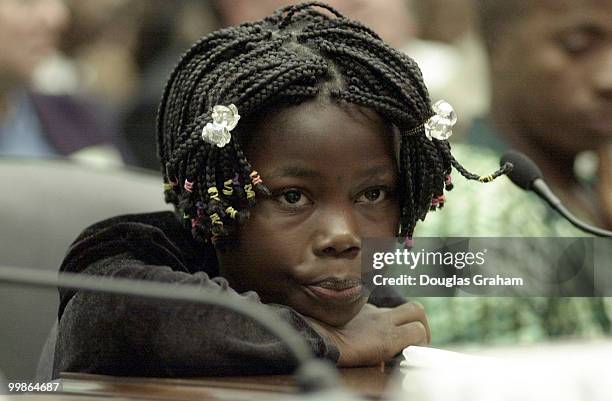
(500,209)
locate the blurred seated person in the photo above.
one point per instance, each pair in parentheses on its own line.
(551,73)
(41,125)
(551,69)
(167,30)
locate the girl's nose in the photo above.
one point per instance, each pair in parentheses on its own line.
(337,235)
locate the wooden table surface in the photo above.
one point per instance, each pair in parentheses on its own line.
(370,383)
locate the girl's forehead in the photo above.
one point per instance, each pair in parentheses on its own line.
(316,116)
(320,133)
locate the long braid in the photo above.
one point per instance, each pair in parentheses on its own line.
(299,53)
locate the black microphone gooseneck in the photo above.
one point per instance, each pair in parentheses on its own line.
(312,373)
(528,176)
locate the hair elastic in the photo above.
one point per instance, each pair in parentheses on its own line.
(227,188)
(255,178)
(408,242)
(236,180)
(213,192)
(188,186)
(200,209)
(215,219)
(231,212)
(250,194)
(448,182)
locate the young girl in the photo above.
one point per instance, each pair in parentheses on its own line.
(283,143)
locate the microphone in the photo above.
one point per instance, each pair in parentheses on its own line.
(528,176)
(312,374)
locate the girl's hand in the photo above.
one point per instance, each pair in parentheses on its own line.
(377,334)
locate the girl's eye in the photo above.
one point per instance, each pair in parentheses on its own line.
(373,195)
(293,198)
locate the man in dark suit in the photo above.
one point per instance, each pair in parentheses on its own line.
(39,125)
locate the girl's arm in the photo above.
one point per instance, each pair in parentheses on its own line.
(119,335)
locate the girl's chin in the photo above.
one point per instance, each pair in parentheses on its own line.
(336,317)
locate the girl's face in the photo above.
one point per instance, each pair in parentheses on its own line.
(333,177)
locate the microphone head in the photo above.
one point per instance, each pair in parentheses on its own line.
(525,171)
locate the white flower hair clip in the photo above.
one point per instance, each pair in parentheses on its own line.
(225,119)
(440,125)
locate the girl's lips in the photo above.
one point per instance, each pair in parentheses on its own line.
(340,295)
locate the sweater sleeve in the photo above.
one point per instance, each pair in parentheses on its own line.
(130,336)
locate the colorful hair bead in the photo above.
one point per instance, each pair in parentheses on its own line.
(227,188)
(434,204)
(236,180)
(231,212)
(213,192)
(188,186)
(487,178)
(437,202)
(169,174)
(441,200)
(255,178)
(170,195)
(250,194)
(215,219)
(408,242)
(448,182)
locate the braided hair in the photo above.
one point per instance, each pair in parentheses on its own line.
(300,52)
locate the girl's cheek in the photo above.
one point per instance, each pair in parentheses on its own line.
(382,217)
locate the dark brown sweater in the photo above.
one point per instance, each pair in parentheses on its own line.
(129,336)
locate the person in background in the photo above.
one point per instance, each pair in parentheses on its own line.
(39,125)
(166,30)
(551,73)
(391,19)
(100,42)
(452,56)
(551,69)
